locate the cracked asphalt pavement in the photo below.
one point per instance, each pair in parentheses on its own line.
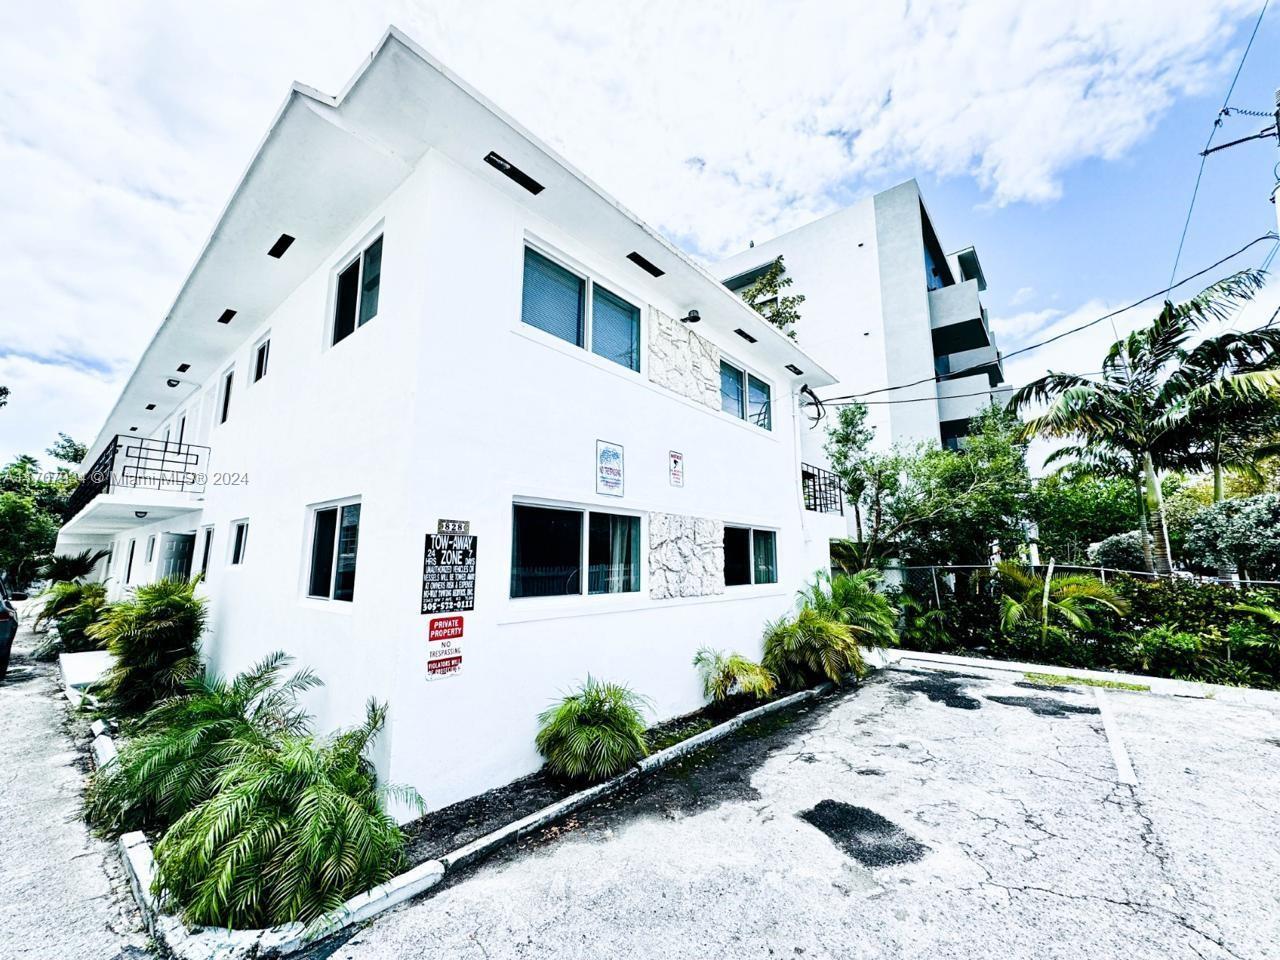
(926,814)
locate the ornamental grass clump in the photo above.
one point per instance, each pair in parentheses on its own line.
(292,830)
(154,636)
(726,675)
(594,733)
(180,748)
(808,647)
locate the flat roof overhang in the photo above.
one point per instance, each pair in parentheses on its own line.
(109,514)
(326,163)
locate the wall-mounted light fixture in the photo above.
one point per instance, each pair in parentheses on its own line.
(172,382)
(140,514)
(692,317)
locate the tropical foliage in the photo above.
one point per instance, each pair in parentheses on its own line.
(766,294)
(68,568)
(1120,551)
(154,636)
(728,675)
(33,503)
(593,733)
(71,607)
(852,600)
(1241,535)
(181,747)
(806,647)
(1067,599)
(292,829)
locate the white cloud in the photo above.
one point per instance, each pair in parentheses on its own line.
(124,126)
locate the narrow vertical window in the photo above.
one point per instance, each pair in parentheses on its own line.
(322,543)
(344,320)
(358,292)
(226,396)
(759,409)
(764,552)
(344,578)
(737,556)
(615,329)
(370,282)
(208,547)
(553,298)
(128,564)
(151,547)
(613,554)
(731,395)
(239,542)
(260,358)
(335,537)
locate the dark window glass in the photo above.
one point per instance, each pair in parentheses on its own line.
(326,527)
(260,360)
(552,299)
(759,409)
(241,542)
(615,329)
(613,554)
(344,579)
(731,390)
(151,548)
(204,554)
(226,397)
(765,551)
(344,318)
(546,552)
(737,556)
(370,282)
(128,564)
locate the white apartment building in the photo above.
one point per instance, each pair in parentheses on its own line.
(435,415)
(884,307)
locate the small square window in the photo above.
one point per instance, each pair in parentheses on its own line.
(260,357)
(334,539)
(358,290)
(750,556)
(239,542)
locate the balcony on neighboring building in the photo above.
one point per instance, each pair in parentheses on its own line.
(821,490)
(967,363)
(135,480)
(958,319)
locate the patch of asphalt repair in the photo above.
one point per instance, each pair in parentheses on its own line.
(944,688)
(863,834)
(1044,706)
(1033,846)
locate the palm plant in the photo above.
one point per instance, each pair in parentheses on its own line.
(1136,407)
(924,627)
(594,733)
(809,647)
(851,599)
(290,832)
(154,637)
(72,607)
(183,744)
(724,675)
(1071,598)
(69,568)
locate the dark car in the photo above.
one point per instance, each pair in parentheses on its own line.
(8,623)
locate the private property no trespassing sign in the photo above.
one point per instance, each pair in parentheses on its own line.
(444,647)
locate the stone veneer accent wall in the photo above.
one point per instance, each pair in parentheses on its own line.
(686,556)
(682,361)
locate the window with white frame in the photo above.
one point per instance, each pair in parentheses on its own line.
(750,556)
(335,535)
(261,353)
(206,550)
(745,396)
(151,547)
(224,405)
(239,541)
(549,552)
(579,311)
(356,295)
(128,564)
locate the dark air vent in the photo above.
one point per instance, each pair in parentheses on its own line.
(226,316)
(745,336)
(644,264)
(514,172)
(280,246)
(184,367)
(794,369)
(151,406)
(133,429)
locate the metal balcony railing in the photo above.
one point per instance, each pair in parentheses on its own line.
(821,490)
(140,462)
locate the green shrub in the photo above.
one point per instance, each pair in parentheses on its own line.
(809,647)
(724,676)
(182,745)
(1123,551)
(1167,652)
(851,599)
(1070,599)
(923,627)
(291,831)
(593,733)
(154,636)
(71,607)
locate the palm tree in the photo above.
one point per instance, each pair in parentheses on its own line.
(1136,407)
(1100,461)
(1071,598)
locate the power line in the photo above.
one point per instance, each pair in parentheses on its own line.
(937,378)
(1204,154)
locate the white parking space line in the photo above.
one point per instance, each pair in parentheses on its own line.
(1124,769)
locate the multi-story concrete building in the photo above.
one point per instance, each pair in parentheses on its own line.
(884,307)
(439,417)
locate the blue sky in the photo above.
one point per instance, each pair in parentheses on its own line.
(1060,141)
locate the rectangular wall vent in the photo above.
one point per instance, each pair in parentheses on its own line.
(745,336)
(515,173)
(151,406)
(184,367)
(794,369)
(226,316)
(280,246)
(644,264)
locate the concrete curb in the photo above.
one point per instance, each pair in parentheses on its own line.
(1160,685)
(210,943)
